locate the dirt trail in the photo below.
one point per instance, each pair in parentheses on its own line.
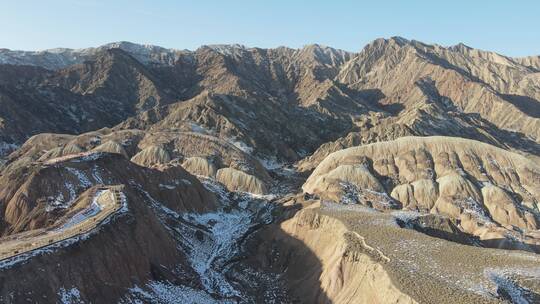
(106,201)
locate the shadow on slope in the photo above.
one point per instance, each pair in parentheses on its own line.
(447,229)
(275,252)
(525,104)
(474,126)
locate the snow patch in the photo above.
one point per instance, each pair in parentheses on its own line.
(86,213)
(506,285)
(474,208)
(175,184)
(83,179)
(212,239)
(242,146)
(271,163)
(6,148)
(165,293)
(198,129)
(96,175)
(69,296)
(54,203)
(24,257)
(406,216)
(164,186)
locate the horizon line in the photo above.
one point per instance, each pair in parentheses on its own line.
(257,47)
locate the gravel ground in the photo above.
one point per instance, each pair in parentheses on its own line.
(434,270)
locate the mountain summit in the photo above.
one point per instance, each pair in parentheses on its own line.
(404,173)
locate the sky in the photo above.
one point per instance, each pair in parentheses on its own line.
(508,27)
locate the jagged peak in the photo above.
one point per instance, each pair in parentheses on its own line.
(397,40)
(325,54)
(315,47)
(400,40)
(226,49)
(117,55)
(126,45)
(58,58)
(394,42)
(460,47)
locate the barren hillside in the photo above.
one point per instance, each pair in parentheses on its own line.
(404,173)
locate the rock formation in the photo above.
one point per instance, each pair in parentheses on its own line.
(404,173)
(492,193)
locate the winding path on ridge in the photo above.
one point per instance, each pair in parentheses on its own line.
(105,201)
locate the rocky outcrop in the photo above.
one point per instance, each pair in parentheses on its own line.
(466,180)
(471,80)
(111,147)
(39,196)
(199,166)
(183,145)
(295,247)
(315,94)
(373,129)
(373,251)
(505,210)
(349,272)
(46,192)
(238,117)
(419,195)
(236,180)
(100,93)
(150,156)
(352,184)
(201,154)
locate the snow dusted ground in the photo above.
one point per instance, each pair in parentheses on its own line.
(6,148)
(69,296)
(163,292)
(457,267)
(504,281)
(271,163)
(83,182)
(199,129)
(58,58)
(211,241)
(88,212)
(24,257)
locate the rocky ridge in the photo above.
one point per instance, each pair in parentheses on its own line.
(403,150)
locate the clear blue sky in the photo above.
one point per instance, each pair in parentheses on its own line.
(508,27)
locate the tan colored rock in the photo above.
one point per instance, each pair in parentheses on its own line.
(150,156)
(71,148)
(331,184)
(373,129)
(420,195)
(456,186)
(346,273)
(446,206)
(111,147)
(385,166)
(414,164)
(503,208)
(199,166)
(425,193)
(56,152)
(192,144)
(397,67)
(446,163)
(457,195)
(236,180)
(460,168)
(405,194)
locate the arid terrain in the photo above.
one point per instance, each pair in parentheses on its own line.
(403,173)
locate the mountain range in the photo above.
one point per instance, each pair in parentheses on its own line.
(403,173)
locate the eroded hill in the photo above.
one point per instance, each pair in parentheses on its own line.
(405,173)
